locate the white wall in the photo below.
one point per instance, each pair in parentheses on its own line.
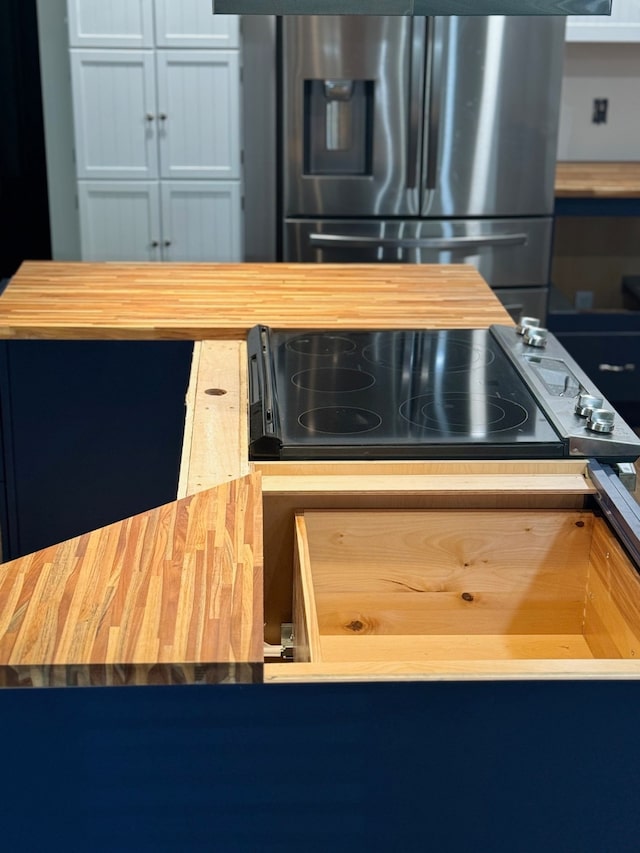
(598,70)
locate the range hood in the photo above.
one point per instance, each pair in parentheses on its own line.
(412,7)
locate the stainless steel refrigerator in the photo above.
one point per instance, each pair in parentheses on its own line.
(423,140)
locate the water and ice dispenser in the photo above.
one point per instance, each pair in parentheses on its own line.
(338,127)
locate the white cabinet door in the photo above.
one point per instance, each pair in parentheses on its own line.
(119,220)
(201,221)
(115,122)
(110,23)
(199,113)
(191,23)
(622,25)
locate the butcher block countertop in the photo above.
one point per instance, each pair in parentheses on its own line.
(598,180)
(222,301)
(175,594)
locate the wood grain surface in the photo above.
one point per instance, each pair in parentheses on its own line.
(612,614)
(562,669)
(216,430)
(51,299)
(598,180)
(170,595)
(432,647)
(407,575)
(400,485)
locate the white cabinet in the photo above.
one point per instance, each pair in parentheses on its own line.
(174,114)
(119,220)
(157,130)
(115,122)
(198,221)
(198,113)
(622,25)
(110,23)
(145,23)
(160,221)
(190,23)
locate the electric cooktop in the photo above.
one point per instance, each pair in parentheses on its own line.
(492,393)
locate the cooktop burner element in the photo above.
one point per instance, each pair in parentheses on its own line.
(457,352)
(339,420)
(320,344)
(422,394)
(337,380)
(462,413)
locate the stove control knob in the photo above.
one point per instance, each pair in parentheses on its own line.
(535,337)
(586,404)
(601,420)
(525,323)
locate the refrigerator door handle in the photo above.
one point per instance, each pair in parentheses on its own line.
(416,94)
(435,75)
(343,241)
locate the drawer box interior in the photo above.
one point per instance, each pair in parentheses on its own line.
(289,487)
(386,585)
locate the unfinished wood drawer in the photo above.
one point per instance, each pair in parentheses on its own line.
(288,487)
(477,590)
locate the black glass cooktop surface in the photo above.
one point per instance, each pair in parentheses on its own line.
(397,394)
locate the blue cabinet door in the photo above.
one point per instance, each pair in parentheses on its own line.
(436,767)
(93,434)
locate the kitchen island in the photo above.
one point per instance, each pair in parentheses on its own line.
(363,764)
(130,616)
(126,601)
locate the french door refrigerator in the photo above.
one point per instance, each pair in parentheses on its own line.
(423,140)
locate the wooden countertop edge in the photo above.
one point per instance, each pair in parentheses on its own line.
(130,674)
(133,332)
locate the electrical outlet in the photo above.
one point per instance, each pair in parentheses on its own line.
(583,300)
(600,109)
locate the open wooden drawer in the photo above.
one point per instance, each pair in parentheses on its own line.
(446,570)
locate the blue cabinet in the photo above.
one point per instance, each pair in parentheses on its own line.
(437,767)
(596,257)
(606,345)
(92,434)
